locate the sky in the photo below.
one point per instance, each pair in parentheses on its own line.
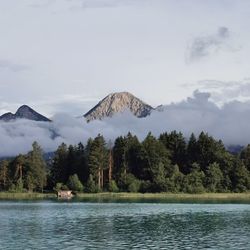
(62,56)
(65,55)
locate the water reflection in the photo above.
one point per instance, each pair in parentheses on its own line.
(52,225)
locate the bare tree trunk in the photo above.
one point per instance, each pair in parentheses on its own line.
(4,178)
(99,178)
(110,165)
(19,171)
(125,173)
(102,179)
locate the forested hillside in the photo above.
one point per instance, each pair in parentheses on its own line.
(170,163)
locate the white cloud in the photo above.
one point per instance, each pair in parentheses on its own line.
(224,91)
(207,45)
(229,123)
(14,67)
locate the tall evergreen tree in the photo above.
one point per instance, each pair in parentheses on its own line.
(59,169)
(98,160)
(4,174)
(36,174)
(214,178)
(157,166)
(192,151)
(176,145)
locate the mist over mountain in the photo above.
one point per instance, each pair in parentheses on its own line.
(229,122)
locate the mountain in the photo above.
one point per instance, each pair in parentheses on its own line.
(117,103)
(24,112)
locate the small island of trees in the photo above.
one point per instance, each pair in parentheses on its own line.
(169,163)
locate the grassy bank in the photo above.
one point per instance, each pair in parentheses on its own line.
(135,196)
(24,196)
(168,196)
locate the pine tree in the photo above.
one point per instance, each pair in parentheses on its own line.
(157,166)
(193,182)
(36,174)
(240,177)
(192,151)
(176,145)
(98,160)
(74,183)
(214,177)
(4,174)
(59,168)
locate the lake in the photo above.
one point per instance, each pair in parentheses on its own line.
(86,225)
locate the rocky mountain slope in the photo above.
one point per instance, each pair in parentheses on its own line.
(118,103)
(24,112)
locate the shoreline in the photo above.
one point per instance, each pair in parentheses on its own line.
(133,196)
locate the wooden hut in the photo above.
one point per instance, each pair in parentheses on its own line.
(64,194)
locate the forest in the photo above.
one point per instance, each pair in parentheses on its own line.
(169,163)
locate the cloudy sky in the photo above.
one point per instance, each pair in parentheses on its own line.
(64,55)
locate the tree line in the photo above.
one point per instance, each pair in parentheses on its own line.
(169,163)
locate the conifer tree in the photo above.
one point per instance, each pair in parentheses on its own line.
(59,168)
(36,174)
(4,174)
(98,160)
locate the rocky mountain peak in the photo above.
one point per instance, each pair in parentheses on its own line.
(24,112)
(118,103)
(24,109)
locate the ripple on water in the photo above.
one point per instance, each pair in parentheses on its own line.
(51,225)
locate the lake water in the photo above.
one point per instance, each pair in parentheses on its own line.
(81,225)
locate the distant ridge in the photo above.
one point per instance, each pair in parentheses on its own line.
(24,112)
(117,103)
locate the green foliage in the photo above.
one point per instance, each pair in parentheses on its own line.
(74,183)
(214,177)
(176,145)
(146,186)
(91,186)
(240,178)
(175,181)
(129,183)
(36,174)
(59,168)
(156,160)
(18,187)
(245,156)
(60,186)
(167,164)
(4,175)
(112,187)
(98,160)
(193,182)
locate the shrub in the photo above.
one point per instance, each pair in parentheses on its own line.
(60,186)
(112,187)
(74,183)
(129,183)
(91,186)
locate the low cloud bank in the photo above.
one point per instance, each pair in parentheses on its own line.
(198,113)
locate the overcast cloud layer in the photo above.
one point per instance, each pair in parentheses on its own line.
(60,54)
(65,55)
(229,123)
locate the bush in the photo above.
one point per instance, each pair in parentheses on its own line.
(60,186)
(91,187)
(18,188)
(129,183)
(112,187)
(134,186)
(74,183)
(146,186)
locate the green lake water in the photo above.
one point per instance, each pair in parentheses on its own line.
(86,225)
